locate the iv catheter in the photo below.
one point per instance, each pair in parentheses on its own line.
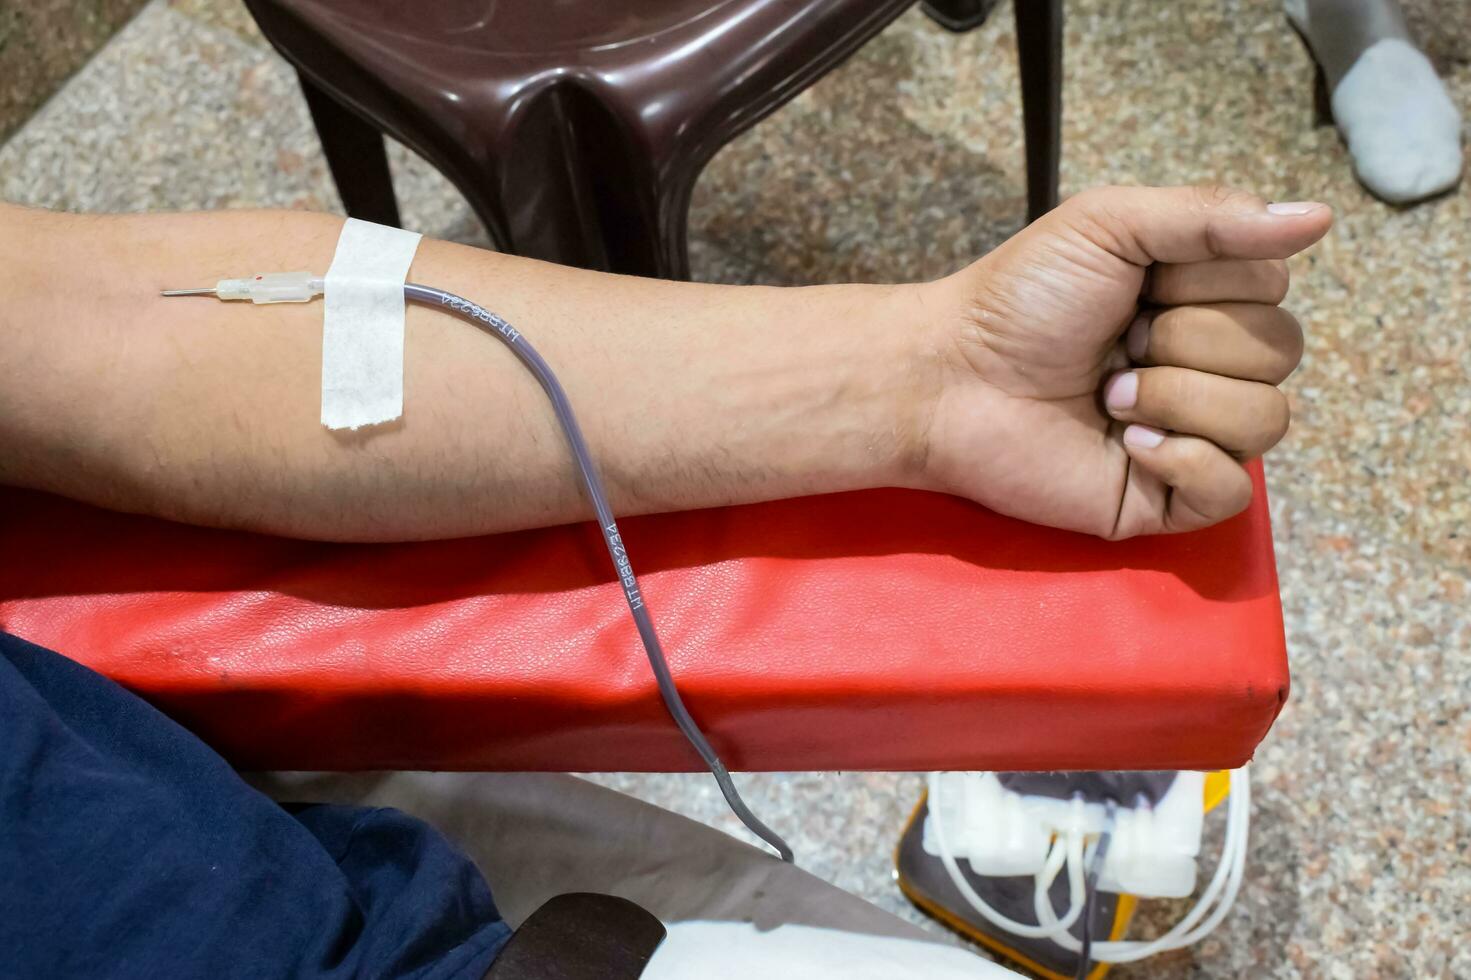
(302,287)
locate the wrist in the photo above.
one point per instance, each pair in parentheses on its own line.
(965,419)
(819,389)
(906,367)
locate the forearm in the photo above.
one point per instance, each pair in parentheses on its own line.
(690,395)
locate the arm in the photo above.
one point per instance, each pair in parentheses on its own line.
(690,395)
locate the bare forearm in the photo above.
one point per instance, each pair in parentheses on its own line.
(690,395)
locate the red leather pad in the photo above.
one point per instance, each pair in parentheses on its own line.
(878,630)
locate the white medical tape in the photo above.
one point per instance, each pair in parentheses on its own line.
(363,325)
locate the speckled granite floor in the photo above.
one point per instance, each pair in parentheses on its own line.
(1361,857)
(44,41)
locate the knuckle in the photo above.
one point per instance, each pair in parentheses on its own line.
(1292,341)
(1169,388)
(1218,196)
(1238,496)
(1166,331)
(1095,210)
(1095,194)
(1194,455)
(1274,418)
(1211,195)
(1277,279)
(1214,200)
(1093,213)
(1283,418)
(1087,202)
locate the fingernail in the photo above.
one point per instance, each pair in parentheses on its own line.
(1294,207)
(1121,392)
(1143,437)
(1136,341)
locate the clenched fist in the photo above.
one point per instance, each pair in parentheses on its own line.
(1108,368)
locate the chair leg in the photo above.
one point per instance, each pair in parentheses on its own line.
(1039,50)
(581,936)
(672,213)
(575,191)
(356,155)
(959,15)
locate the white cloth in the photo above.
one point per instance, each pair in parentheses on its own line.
(731,909)
(740,951)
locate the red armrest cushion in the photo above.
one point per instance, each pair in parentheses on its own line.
(877,630)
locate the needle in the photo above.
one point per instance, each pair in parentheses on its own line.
(202,291)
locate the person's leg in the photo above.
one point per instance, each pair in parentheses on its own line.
(129,848)
(1401,127)
(728,904)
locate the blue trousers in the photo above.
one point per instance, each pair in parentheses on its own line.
(129,849)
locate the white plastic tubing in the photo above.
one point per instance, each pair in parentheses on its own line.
(1069,847)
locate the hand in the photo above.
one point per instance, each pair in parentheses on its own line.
(1109,367)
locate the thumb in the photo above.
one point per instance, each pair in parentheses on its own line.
(1192,224)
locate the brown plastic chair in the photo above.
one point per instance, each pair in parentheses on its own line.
(581,936)
(576,128)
